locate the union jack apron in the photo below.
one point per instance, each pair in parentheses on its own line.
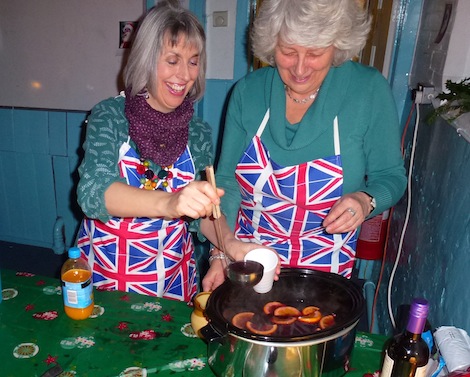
(155,256)
(283,207)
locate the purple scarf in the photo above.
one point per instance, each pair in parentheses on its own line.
(160,137)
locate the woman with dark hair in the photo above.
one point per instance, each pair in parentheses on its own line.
(144,151)
(311,144)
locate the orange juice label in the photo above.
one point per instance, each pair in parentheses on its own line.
(77,294)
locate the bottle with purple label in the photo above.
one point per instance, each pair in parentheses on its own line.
(407,354)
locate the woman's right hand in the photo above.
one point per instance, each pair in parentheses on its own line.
(195,200)
(237,251)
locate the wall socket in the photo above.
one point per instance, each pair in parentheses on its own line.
(424,95)
(220,19)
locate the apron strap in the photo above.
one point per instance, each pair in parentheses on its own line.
(263,124)
(336,136)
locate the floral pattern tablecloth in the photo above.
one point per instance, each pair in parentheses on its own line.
(127,334)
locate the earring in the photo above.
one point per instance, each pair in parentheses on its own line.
(144,93)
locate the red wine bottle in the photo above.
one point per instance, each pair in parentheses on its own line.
(407,354)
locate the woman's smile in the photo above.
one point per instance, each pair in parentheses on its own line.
(178,69)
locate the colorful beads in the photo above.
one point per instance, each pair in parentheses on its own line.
(162,174)
(140,169)
(149,174)
(148,185)
(149,180)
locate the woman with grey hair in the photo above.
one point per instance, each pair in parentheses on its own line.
(144,151)
(311,145)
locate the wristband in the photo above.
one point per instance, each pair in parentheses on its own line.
(372,203)
(217,256)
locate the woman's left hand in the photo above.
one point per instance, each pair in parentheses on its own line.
(214,276)
(347,213)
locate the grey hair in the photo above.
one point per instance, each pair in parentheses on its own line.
(165,20)
(344,24)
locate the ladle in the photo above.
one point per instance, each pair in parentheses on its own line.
(248,273)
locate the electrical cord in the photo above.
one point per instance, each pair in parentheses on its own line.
(387,236)
(405,224)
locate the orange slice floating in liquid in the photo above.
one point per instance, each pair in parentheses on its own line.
(240,319)
(264,329)
(309,310)
(283,320)
(310,317)
(287,311)
(327,321)
(269,308)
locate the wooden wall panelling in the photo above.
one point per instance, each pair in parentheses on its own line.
(6,129)
(33,188)
(66,176)
(30,131)
(65,197)
(28,205)
(39,155)
(8,176)
(57,121)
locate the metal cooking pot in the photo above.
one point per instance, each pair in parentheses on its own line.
(298,350)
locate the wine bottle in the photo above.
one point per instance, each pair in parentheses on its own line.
(407,354)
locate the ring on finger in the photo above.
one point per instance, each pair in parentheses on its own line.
(351,211)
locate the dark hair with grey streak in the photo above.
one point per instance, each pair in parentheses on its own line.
(344,24)
(166,22)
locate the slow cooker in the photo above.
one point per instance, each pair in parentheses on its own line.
(297,351)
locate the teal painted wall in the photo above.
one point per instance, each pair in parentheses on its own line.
(435,249)
(435,257)
(217,91)
(39,154)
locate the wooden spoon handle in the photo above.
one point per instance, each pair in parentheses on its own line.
(216,212)
(211,179)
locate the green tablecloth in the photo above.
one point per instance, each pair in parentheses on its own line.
(127,335)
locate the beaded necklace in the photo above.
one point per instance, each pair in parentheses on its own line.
(311,97)
(150,180)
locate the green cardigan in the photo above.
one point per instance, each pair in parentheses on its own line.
(107,130)
(368,128)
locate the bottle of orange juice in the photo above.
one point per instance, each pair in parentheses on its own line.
(77,286)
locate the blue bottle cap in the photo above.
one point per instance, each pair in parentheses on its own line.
(74,252)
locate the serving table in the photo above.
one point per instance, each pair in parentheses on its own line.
(127,335)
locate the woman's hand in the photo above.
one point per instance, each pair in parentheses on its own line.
(347,213)
(195,200)
(237,251)
(234,249)
(215,276)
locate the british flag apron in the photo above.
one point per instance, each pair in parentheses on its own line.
(283,207)
(149,256)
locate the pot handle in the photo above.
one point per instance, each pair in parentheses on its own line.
(210,334)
